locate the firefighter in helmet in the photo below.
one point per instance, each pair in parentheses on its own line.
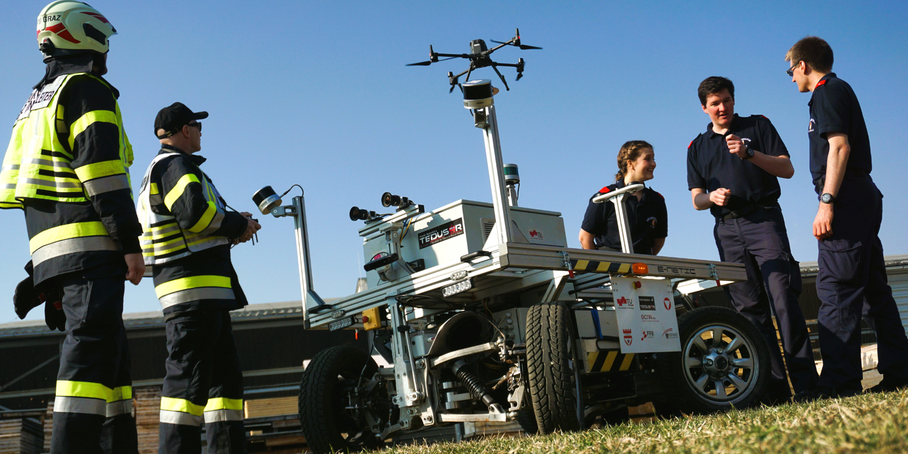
(66,168)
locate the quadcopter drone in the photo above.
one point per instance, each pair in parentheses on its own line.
(480,57)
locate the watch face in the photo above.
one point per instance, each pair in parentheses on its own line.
(826,198)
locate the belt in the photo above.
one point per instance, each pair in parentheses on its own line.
(741,212)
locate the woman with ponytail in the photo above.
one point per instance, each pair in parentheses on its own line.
(647,215)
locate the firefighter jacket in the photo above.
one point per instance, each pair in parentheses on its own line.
(67,167)
(187,235)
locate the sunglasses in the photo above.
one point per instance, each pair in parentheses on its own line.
(195,125)
(791,70)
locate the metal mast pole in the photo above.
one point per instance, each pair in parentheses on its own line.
(477,95)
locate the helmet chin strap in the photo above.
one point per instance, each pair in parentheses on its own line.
(99,63)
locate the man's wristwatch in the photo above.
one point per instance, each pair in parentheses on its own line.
(750,153)
(827,198)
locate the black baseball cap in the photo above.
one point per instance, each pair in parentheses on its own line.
(172,118)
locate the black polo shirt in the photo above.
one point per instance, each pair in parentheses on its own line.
(647,217)
(711,166)
(834,108)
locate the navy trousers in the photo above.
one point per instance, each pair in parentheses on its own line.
(852,274)
(93,404)
(759,240)
(203,385)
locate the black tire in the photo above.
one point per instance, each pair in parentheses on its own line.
(332,377)
(550,365)
(711,375)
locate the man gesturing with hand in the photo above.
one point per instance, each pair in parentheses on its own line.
(733,170)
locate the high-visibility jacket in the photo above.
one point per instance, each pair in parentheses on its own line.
(186,243)
(164,239)
(67,166)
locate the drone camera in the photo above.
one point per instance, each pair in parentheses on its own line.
(478,46)
(266,199)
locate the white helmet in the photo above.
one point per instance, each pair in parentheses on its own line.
(67,27)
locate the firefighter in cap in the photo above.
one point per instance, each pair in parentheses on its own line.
(188,234)
(66,167)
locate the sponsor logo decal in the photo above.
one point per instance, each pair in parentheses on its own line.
(648,335)
(624,302)
(648,318)
(676,270)
(667,303)
(441,233)
(647,303)
(811,125)
(670,334)
(536,235)
(628,336)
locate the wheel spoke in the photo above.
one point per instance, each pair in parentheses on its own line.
(717,337)
(720,389)
(693,362)
(747,363)
(701,382)
(740,384)
(735,344)
(698,342)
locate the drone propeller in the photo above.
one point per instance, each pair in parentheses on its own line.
(515,41)
(521,46)
(433,58)
(429,62)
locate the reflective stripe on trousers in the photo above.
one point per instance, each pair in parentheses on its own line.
(92,398)
(194,288)
(184,412)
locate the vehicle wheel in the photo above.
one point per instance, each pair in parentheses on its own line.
(335,399)
(550,367)
(723,363)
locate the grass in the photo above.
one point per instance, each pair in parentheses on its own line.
(875,423)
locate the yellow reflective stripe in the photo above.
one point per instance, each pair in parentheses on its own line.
(67,388)
(186,283)
(121,393)
(154,189)
(208,239)
(100,169)
(80,125)
(155,248)
(223,403)
(181,405)
(177,190)
(63,232)
(83,389)
(206,218)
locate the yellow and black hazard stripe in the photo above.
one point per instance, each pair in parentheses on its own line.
(609,361)
(594,266)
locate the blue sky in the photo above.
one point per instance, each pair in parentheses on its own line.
(317,94)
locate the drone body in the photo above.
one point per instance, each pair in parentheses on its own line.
(480,56)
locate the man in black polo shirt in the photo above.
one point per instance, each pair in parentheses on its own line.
(732,169)
(851,269)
